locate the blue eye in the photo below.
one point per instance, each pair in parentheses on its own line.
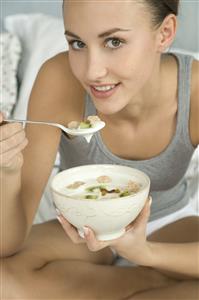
(76,45)
(114,43)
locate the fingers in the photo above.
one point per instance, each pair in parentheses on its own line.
(129,227)
(70,230)
(93,243)
(142,217)
(89,237)
(9,158)
(12,142)
(10,129)
(144,214)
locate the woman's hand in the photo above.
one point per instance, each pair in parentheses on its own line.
(12,142)
(132,245)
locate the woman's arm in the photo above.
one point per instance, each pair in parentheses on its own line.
(56,97)
(24,188)
(180,258)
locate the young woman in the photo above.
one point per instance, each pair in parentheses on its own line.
(116,68)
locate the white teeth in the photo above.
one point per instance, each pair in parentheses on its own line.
(104,88)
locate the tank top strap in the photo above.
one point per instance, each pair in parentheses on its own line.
(184,93)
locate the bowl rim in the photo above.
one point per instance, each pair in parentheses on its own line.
(97,166)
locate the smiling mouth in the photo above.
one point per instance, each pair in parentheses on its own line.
(104,88)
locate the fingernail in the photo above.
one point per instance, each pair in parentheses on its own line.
(150,200)
(59,219)
(129,228)
(86,230)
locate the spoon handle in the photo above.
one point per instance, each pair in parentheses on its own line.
(33,122)
(86,133)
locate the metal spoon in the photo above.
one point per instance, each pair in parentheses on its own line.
(87,133)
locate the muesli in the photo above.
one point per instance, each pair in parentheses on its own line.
(102,187)
(90,122)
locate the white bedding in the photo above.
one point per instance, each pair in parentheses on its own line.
(41,37)
(10,55)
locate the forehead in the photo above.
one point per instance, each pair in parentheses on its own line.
(102,13)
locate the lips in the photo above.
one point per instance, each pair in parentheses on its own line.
(104,88)
(104,91)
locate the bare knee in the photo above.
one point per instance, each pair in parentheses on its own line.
(16,278)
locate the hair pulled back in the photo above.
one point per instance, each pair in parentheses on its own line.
(162,8)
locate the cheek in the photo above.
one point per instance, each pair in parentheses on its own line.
(77,65)
(140,52)
(138,63)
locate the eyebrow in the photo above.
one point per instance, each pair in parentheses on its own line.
(101,35)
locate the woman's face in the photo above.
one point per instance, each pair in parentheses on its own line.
(112,47)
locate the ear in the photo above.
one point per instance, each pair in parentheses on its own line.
(167,32)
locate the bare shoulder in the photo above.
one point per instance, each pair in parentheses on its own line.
(194,112)
(56,93)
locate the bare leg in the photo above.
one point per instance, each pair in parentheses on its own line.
(51,267)
(182,231)
(185,290)
(186,230)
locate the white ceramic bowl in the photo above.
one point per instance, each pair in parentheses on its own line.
(108,218)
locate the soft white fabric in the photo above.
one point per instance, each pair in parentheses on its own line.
(9,56)
(42,37)
(194,54)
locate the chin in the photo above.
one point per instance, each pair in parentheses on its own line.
(110,105)
(108,109)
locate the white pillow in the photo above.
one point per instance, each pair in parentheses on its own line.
(9,56)
(41,36)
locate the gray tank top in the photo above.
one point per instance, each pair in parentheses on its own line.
(166,171)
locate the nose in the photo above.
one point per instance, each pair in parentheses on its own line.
(96,67)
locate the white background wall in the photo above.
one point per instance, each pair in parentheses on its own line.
(188,30)
(188,26)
